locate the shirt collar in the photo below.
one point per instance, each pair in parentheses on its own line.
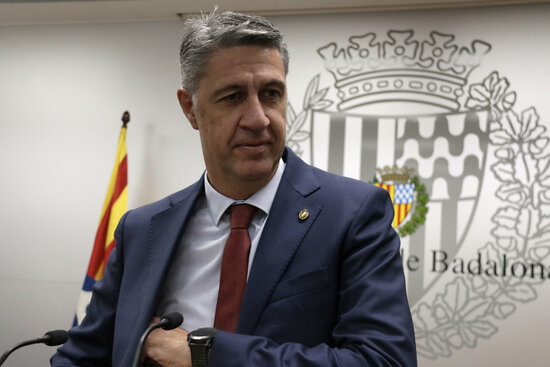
(263,199)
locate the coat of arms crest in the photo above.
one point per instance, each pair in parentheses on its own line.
(406,105)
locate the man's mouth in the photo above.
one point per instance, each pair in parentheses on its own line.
(253,146)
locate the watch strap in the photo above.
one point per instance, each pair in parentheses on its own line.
(199,355)
(200,345)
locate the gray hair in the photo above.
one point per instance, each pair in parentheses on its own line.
(207,33)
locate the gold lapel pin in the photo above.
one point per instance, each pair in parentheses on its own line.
(303,215)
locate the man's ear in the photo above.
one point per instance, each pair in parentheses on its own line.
(186,103)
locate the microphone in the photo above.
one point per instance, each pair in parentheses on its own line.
(167,322)
(51,338)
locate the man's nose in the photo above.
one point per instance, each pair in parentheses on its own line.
(254,117)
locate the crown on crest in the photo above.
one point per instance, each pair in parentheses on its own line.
(395,174)
(400,68)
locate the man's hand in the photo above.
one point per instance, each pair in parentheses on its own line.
(168,348)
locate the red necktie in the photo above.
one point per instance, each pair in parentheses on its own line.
(234,268)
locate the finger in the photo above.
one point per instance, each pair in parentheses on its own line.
(150,363)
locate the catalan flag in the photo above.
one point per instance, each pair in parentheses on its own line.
(114,206)
(402,196)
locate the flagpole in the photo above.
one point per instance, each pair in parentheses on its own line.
(125,118)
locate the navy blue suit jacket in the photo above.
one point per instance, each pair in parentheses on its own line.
(325,291)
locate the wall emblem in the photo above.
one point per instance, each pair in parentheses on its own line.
(408,195)
(403,101)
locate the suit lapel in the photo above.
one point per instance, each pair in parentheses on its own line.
(282,236)
(165,234)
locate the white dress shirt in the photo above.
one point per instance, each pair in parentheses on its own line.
(192,283)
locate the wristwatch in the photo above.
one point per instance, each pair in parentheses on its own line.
(200,343)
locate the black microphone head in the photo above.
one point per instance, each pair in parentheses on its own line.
(55,337)
(172,320)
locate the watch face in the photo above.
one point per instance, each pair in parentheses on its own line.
(202,336)
(200,339)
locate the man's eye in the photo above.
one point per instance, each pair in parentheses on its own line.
(231,97)
(272,93)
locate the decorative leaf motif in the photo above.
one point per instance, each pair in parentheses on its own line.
(490,82)
(510,123)
(321,105)
(454,337)
(300,136)
(539,253)
(290,115)
(508,101)
(482,328)
(319,95)
(420,211)
(441,311)
(425,316)
(313,101)
(299,120)
(544,196)
(310,91)
(543,165)
(531,130)
(513,193)
(525,168)
(500,137)
(479,285)
(537,146)
(506,217)
(492,93)
(456,295)
(527,224)
(504,171)
(540,195)
(508,244)
(503,310)
(476,309)
(478,95)
(498,90)
(424,348)
(439,345)
(504,154)
(522,292)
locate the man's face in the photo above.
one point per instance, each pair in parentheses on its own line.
(239,109)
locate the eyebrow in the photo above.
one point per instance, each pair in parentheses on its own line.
(276,83)
(224,90)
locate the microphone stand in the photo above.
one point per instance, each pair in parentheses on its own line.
(51,338)
(139,350)
(167,322)
(17,346)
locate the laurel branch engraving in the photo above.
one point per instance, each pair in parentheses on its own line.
(469,306)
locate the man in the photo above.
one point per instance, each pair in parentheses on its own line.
(324,280)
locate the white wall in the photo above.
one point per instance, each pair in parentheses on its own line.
(63,89)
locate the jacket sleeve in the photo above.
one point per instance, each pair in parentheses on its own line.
(374,326)
(90,343)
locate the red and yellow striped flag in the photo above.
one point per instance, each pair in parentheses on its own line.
(114,206)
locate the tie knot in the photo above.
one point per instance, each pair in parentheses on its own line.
(241,215)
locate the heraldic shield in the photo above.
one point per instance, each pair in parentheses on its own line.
(405,116)
(446,151)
